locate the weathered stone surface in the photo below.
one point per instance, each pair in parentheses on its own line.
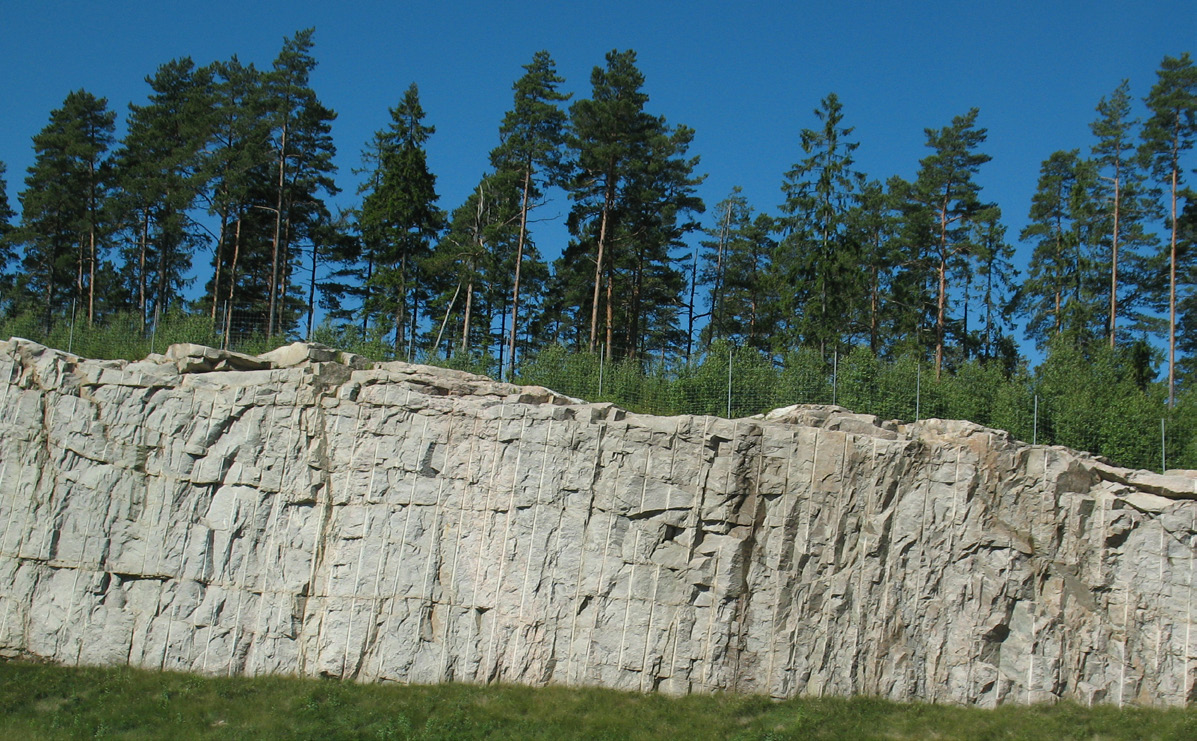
(411,524)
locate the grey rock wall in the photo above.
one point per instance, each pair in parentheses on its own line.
(306,513)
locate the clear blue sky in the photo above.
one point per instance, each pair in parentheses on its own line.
(745,76)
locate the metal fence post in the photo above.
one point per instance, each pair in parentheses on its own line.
(1163,447)
(918,389)
(729,379)
(602,353)
(71,338)
(835,373)
(1035,423)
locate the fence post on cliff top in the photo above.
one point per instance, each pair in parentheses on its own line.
(602,352)
(729,378)
(835,373)
(918,387)
(1163,447)
(71,338)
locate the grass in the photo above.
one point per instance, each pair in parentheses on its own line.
(42,701)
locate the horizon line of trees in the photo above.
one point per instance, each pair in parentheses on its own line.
(234,165)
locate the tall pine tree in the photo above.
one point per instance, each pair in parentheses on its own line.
(1119,194)
(64,223)
(160,176)
(946,192)
(1167,134)
(633,192)
(303,167)
(531,139)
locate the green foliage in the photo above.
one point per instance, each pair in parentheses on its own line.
(818,256)
(65,212)
(50,702)
(399,219)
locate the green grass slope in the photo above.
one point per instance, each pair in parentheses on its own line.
(40,701)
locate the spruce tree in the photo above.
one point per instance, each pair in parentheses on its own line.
(64,222)
(1060,296)
(1167,134)
(531,139)
(872,226)
(399,219)
(995,277)
(821,259)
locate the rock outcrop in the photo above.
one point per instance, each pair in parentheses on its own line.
(309,513)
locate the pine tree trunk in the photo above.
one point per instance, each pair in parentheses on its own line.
(465,323)
(515,290)
(141,276)
(939,315)
(312,293)
(943,289)
(224,226)
(278,225)
(1172,282)
(231,302)
(1114,259)
(284,275)
(610,313)
(608,200)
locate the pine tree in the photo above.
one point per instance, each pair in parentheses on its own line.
(1168,133)
(531,139)
(945,190)
(469,257)
(235,157)
(736,265)
(606,131)
(64,205)
(633,193)
(160,177)
(399,219)
(303,162)
(1119,194)
(821,258)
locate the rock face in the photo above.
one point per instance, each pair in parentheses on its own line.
(317,516)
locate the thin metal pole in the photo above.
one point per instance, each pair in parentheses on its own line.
(1163,448)
(602,350)
(729,379)
(1035,423)
(71,338)
(835,372)
(918,389)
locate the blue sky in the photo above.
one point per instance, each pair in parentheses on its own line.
(745,76)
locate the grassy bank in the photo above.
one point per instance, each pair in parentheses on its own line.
(42,701)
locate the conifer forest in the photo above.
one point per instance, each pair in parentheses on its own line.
(226,171)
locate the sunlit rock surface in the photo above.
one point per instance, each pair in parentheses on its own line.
(309,513)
